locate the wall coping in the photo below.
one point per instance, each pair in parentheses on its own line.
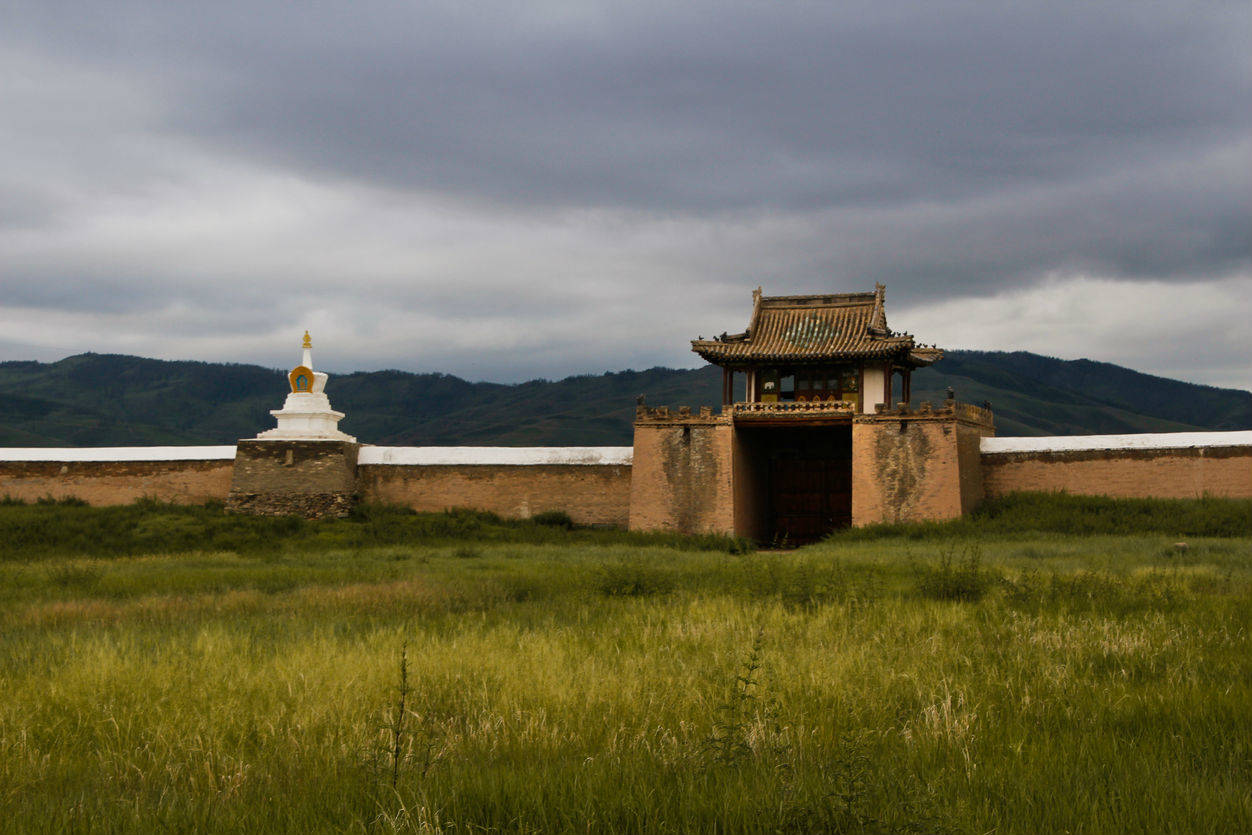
(495,455)
(119,453)
(602,456)
(1078,443)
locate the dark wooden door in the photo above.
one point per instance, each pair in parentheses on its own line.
(810,497)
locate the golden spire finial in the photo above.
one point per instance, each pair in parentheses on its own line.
(308,343)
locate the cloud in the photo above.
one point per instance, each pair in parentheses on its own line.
(1196,333)
(506,191)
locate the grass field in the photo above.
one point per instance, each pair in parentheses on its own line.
(455,673)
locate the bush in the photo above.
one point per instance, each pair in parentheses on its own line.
(633,579)
(955,580)
(553,519)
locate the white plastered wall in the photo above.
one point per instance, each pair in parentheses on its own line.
(873,382)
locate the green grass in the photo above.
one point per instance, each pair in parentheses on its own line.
(51,528)
(980,681)
(1065,513)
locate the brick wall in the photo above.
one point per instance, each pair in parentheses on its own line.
(1162,473)
(596,494)
(117,482)
(682,476)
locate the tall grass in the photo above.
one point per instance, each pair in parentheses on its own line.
(1064,513)
(1093,684)
(59,528)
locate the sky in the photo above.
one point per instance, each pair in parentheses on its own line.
(504,191)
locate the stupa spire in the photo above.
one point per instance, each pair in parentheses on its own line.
(306,414)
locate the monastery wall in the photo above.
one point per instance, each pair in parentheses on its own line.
(1176,465)
(917,466)
(683,472)
(591,484)
(118,475)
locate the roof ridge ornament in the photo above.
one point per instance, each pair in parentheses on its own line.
(878,319)
(308,342)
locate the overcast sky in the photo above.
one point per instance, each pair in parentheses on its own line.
(514,190)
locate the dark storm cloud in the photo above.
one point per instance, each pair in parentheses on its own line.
(473,162)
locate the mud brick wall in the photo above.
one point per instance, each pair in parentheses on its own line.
(592,494)
(117,482)
(969,461)
(683,478)
(1125,473)
(914,467)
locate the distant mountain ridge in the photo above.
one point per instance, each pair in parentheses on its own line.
(116,400)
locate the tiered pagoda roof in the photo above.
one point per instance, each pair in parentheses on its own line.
(816,329)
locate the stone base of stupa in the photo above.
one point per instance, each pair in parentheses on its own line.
(309,477)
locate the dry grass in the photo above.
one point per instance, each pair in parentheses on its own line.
(1097,685)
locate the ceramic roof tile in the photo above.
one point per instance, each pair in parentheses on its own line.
(815,328)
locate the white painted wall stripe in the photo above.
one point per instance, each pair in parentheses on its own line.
(1076,443)
(119,453)
(591,456)
(497,455)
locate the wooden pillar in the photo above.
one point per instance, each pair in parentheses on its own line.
(907,388)
(728,381)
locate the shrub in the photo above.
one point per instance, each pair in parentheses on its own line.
(64,501)
(554,519)
(633,579)
(955,580)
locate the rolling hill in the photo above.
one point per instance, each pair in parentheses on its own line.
(112,400)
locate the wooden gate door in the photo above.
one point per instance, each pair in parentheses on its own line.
(810,497)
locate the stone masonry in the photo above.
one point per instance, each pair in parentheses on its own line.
(304,478)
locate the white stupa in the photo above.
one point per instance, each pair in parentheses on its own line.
(306,415)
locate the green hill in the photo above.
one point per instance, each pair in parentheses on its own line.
(108,400)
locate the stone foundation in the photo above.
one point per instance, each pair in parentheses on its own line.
(308,505)
(303,478)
